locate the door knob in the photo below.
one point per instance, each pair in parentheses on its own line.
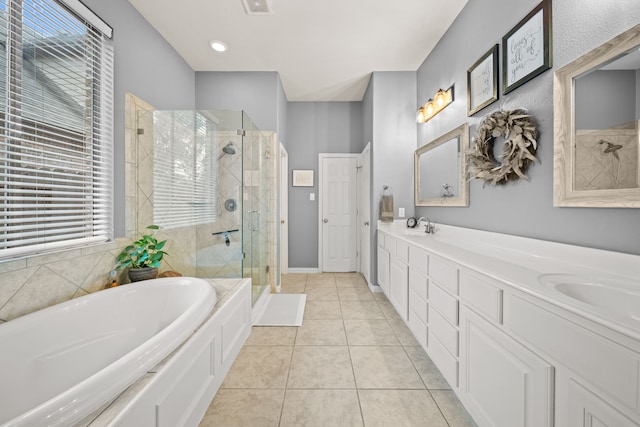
(366,223)
(325,220)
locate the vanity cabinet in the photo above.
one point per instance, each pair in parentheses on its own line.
(444,306)
(393,272)
(502,382)
(513,357)
(585,408)
(598,372)
(383,270)
(399,277)
(399,286)
(418,307)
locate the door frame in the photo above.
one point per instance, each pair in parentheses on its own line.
(284,212)
(321,157)
(364,212)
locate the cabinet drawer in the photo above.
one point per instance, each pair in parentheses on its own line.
(402,251)
(419,259)
(418,305)
(609,366)
(418,283)
(446,304)
(418,328)
(479,294)
(447,333)
(444,274)
(390,244)
(446,363)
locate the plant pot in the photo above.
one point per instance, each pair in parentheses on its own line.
(138,274)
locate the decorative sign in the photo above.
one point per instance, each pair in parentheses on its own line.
(482,82)
(302,178)
(527,48)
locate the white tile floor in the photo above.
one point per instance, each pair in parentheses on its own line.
(353,362)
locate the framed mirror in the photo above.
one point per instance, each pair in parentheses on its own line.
(440,171)
(596,126)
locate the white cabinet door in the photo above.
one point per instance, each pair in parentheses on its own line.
(586,409)
(399,287)
(383,270)
(502,383)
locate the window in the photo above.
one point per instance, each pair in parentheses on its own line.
(56,138)
(185,171)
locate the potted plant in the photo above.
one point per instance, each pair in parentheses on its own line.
(142,257)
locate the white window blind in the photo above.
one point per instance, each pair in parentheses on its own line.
(56,136)
(185,169)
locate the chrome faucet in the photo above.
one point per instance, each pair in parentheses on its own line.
(429,227)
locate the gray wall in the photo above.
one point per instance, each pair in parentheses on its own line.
(394,138)
(147,66)
(605,99)
(390,103)
(255,92)
(526,208)
(314,128)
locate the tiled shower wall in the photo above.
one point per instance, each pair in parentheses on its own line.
(197,251)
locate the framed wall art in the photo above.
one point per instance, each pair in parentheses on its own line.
(482,82)
(526,49)
(302,178)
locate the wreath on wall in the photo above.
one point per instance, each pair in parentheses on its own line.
(520,131)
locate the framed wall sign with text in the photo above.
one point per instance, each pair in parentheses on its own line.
(302,178)
(526,49)
(482,82)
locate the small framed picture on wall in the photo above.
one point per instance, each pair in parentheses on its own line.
(302,178)
(526,49)
(482,82)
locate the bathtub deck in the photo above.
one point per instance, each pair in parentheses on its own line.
(225,290)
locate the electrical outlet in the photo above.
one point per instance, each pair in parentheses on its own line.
(401,212)
(312,196)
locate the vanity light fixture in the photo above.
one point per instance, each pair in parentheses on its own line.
(434,105)
(218,46)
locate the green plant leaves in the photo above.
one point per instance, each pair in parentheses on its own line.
(145,252)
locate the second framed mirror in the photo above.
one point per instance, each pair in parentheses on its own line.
(440,172)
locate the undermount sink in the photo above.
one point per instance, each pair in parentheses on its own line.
(616,296)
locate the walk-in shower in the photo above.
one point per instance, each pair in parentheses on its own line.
(206,179)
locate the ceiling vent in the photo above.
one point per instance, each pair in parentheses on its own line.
(257,7)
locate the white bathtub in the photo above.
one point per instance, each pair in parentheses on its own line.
(60,364)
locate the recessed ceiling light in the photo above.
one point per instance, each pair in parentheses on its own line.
(218,46)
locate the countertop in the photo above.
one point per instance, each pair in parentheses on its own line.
(520,262)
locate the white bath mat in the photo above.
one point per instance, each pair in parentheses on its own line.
(283,310)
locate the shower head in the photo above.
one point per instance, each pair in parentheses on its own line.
(229,149)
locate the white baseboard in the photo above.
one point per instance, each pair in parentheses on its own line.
(304,270)
(374,288)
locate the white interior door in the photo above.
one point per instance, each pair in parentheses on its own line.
(364,211)
(338,213)
(284,211)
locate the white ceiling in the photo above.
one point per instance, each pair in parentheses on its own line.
(324,50)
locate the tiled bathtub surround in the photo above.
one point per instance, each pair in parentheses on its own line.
(353,362)
(34,283)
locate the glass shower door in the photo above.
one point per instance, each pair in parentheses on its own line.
(255,149)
